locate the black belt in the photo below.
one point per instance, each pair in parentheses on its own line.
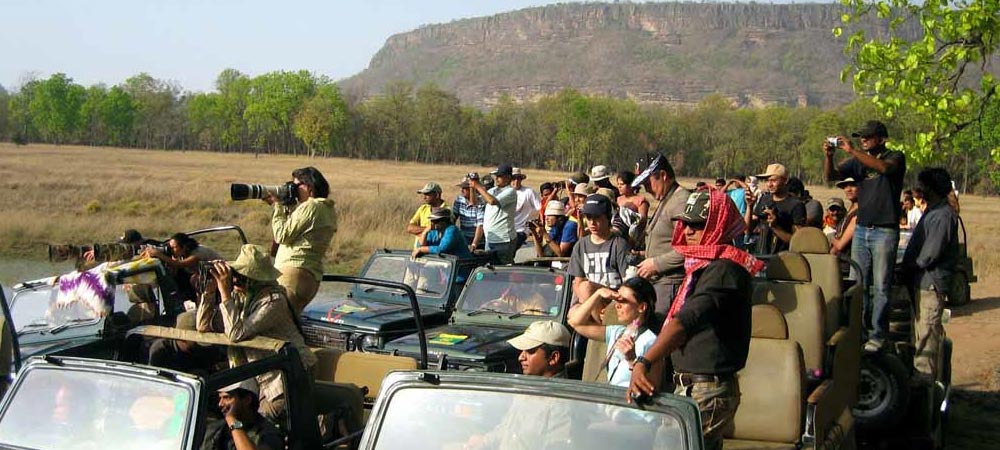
(686,379)
(892,227)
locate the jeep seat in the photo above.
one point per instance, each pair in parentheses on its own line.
(789,288)
(770,414)
(824,270)
(364,370)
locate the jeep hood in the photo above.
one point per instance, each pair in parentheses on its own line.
(470,342)
(364,314)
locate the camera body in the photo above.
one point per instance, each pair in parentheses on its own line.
(833,141)
(536,224)
(287,194)
(762,215)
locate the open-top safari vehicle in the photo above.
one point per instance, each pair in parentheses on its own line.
(497,303)
(357,317)
(60,401)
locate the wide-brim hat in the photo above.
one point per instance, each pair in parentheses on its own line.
(542,332)
(845,182)
(582,189)
(254,263)
(598,173)
(439,213)
(517,173)
(555,208)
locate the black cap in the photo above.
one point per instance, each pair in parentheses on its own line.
(872,128)
(658,163)
(545,185)
(580,178)
(597,205)
(796,186)
(696,208)
(504,170)
(130,237)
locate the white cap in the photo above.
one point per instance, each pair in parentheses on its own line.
(249,384)
(542,332)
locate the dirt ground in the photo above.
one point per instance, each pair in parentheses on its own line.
(974,421)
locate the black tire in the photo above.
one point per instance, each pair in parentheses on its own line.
(960,293)
(883,392)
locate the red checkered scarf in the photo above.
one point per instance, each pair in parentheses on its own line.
(723,225)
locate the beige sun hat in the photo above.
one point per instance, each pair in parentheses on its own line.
(555,208)
(254,263)
(582,189)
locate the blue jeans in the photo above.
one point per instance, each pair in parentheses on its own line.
(874,249)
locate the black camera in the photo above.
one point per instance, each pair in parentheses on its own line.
(559,184)
(472,176)
(536,223)
(762,215)
(287,194)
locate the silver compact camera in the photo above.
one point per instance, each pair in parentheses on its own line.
(833,142)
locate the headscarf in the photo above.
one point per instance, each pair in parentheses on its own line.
(724,223)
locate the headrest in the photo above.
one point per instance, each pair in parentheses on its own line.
(809,240)
(788,266)
(767,322)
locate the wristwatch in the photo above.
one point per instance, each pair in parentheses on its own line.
(643,360)
(236,425)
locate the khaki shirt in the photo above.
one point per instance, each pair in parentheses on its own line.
(268,314)
(660,235)
(304,233)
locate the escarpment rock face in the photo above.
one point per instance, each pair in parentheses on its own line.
(665,53)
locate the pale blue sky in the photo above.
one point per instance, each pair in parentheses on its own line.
(191,41)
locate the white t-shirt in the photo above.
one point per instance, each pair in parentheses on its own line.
(528,204)
(618,368)
(497,219)
(913,216)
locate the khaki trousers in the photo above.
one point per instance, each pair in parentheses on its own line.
(717,402)
(929,332)
(300,286)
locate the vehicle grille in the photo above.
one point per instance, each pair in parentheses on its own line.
(317,336)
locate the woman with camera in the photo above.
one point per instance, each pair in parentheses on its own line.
(634,305)
(185,253)
(302,235)
(560,236)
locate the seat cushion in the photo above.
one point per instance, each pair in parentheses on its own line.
(787,266)
(771,401)
(825,270)
(742,444)
(809,240)
(767,322)
(804,311)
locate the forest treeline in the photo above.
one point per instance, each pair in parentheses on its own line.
(304,114)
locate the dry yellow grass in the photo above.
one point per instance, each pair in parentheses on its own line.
(89,194)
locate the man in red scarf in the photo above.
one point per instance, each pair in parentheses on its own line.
(707,331)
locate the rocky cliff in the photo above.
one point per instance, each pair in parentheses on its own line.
(661,53)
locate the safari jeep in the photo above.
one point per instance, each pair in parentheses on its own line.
(353,317)
(68,402)
(497,304)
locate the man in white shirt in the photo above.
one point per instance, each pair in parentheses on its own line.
(498,218)
(528,205)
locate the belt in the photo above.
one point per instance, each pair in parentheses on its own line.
(686,379)
(892,227)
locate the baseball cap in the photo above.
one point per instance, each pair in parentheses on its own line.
(248,384)
(872,128)
(696,208)
(464,183)
(517,173)
(430,187)
(504,170)
(598,173)
(658,163)
(835,202)
(254,263)
(439,213)
(845,182)
(774,169)
(580,178)
(130,237)
(597,205)
(541,332)
(555,208)
(607,192)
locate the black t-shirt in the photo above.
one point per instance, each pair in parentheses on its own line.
(716,320)
(878,194)
(789,212)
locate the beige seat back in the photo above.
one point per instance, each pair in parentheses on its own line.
(597,351)
(789,289)
(771,384)
(825,272)
(365,370)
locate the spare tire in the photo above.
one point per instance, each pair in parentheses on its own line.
(883,392)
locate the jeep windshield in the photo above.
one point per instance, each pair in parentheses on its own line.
(449,418)
(76,303)
(430,278)
(54,408)
(513,292)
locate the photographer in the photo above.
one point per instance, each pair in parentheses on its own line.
(498,219)
(185,254)
(528,205)
(248,301)
(469,210)
(560,236)
(879,173)
(303,235)
(777,214)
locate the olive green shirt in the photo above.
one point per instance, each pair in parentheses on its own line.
(304,234)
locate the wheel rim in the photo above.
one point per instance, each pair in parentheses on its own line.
(873,392)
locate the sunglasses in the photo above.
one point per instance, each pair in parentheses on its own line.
(695,226)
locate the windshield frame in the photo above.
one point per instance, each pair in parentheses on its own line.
(388,295)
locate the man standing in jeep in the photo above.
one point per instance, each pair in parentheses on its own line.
(879,173)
